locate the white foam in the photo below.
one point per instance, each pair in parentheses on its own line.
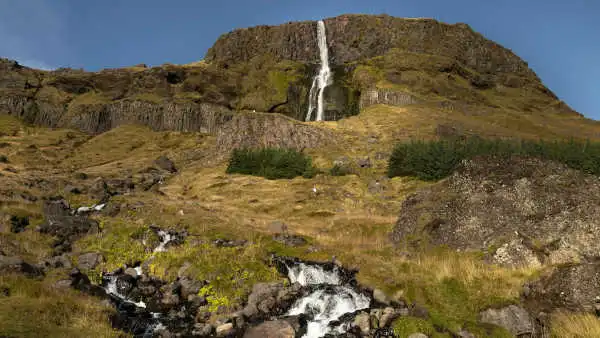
(312,275)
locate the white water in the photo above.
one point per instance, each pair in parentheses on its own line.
(111,288)
(327,304)
(165,238)
(321,80)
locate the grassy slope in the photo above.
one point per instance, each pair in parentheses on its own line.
(343,219)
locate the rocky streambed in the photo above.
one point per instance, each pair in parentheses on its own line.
(320,300)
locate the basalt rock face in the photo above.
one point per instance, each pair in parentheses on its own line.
(374,60)
(357,37)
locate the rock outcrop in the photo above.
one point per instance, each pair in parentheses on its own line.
(518,211)
(375,60)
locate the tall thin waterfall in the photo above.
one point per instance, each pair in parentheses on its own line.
(321,80)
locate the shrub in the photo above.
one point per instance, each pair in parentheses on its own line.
(271,163)
(433,160)
(3,159)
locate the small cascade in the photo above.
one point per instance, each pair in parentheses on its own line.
(333,295)
(165,238)
(322,79)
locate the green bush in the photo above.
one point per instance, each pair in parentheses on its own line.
(3,159)
(271,163)
(433,160)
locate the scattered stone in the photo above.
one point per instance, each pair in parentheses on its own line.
(203,330)
(165,163)
(229,243)
(81,176)
(290,240)
(465,334)
(513,318)
(89,260)
(364,162)
(11,170)
(56,262)
(271,329)
(270,299)
(224,329)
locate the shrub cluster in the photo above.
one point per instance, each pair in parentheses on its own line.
(271,163)
(433,160)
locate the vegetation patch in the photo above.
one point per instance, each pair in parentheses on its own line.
(271,163)
(436,159)
(575,325)
(30,308)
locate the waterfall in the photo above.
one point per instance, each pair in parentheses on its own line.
(329,301)
(322,79)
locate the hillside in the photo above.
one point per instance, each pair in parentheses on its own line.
(152,146)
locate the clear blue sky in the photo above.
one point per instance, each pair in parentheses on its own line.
(560,39)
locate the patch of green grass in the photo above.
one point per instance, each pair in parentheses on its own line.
(433,160)
(405,326)
(271,163)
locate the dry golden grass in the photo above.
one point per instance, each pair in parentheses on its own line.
(35,309)
(565,325)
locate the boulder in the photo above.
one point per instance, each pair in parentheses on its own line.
(224,330)
(271,329)
(15,264)
(190,286)
(519,211)
(363,321)
(513,318)
(381,297)
(573,287)
(165,163)
(203,330)
(89,260)
(364,162)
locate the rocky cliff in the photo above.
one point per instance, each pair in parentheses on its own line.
(375,60)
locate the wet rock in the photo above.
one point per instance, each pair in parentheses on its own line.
(81,282)
(66,227)
(165,163)
(388,316)
(15,264)
(274,329)
(224,330)
(269,299)
(89,260)
(363,321)
(203,330)
(131,272)
(125,283)
(513,318)
(290,240)
(18,223)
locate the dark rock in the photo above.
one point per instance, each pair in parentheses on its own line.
(89,260)
(513,318)
(204,330)
(18,223)
(56,262)
(190,286)
(15,264)
(81,176)
(72,189)
(229,243)
(165,163)
(82,283)
(268,299)
(11,170)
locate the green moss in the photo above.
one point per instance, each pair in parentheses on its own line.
(405,326)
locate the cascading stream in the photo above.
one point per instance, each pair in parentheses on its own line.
(330,300)
(322,79)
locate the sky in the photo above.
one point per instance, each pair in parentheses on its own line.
(560,39)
